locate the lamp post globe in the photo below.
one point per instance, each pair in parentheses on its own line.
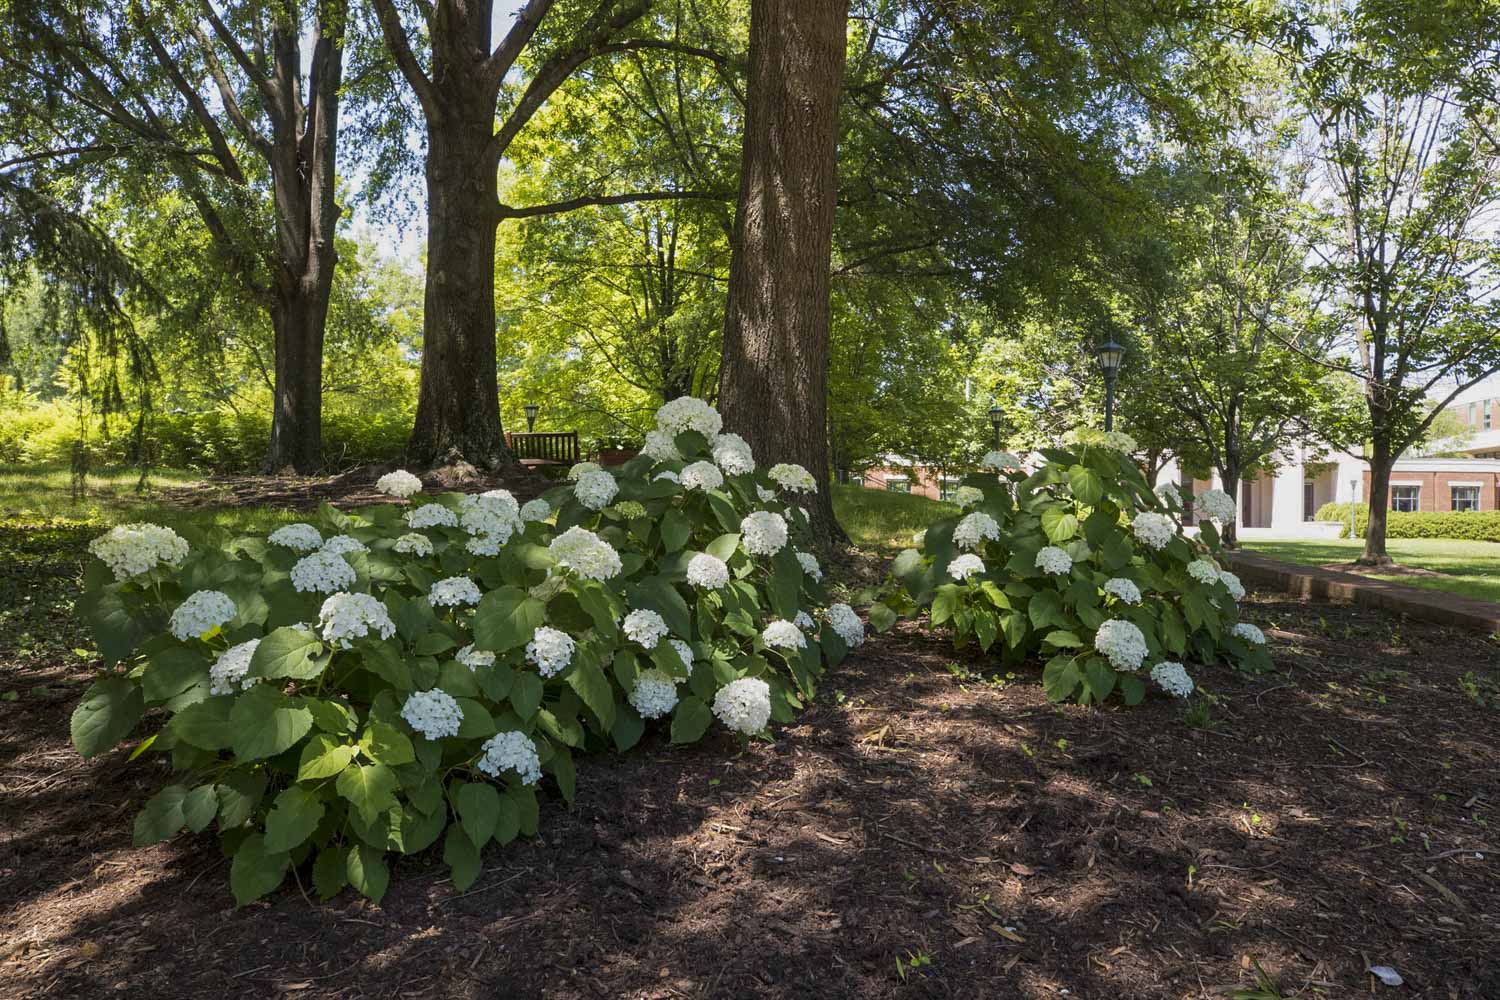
(995,420)
(1110,355)
(531,412)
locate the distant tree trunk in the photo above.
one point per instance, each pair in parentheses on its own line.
(773,381)
(1381,460)
(1230,473)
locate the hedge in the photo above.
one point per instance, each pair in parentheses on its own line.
(1464,526)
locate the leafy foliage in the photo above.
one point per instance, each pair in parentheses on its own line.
(1463,526)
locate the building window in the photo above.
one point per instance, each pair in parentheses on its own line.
(1406,499)
(1309,500)
(1487,415)
(1465,497)
(947,487)
(898,484)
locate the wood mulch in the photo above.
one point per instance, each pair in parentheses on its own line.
(352,488)
(927,830)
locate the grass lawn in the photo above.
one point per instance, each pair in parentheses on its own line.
(1471,569)
(882,521)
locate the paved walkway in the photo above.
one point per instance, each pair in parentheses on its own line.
(1315,581)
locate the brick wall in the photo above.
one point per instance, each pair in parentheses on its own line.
(1436,488)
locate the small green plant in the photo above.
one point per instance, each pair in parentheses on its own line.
(1200,714)
(915,960)
(1265,987)
(1481,690)
(1142,779)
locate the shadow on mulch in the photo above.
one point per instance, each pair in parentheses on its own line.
(1330,820)
(355,487)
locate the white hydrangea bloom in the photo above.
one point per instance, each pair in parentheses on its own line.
(1217,505)
(550,649)
(763,533)
(346,616)
(472,658)
(804,621)
(1155,530)
(399,484)
(765,495)
(132,549)
(965,566)
(323,573)
(341,545)
(809,563)
(968,496)
(707,572)
(585,554)
(654,694)
(414,544)
(455,590)
(595,489)
(999,461)
(227,674)
(791,476)
(688,413)
(1052,559)
(660,447)
(1125,590)
(203,611)
(297,537)
(431,515)
(684,652)
(511,751)
(535,510)
(733,454)
(1250,633)
(490,518)
(1122,642)
(668,475)
(434,714)
(702,476)
(581,469)
(975,529)
(1204,570)
(1169,492)
(645,627)
(1233,584)
(1119,441)
(846,624)
(781,634)
(744,705)
(1172,678)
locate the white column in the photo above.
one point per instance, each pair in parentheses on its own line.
(1286,496)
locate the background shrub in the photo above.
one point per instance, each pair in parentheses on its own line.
(1464,526)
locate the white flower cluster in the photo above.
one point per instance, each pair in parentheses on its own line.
(765,495)
(707,572)
(342,545)
(535,510)
(490,518)
(580,469)
(701,476)
(1232,583)
(1052,559)
(1172,678)
(474,658)
(1155,530)
(1122,642)
(684,652)
(660,447)
(804,621)
(1125,590)
(434,714)
(809,564)
(975,529)
(323,573)
(595,489)
(1119,441)
(414,544)
(511,751)
(230,668)
(585,553)
(783,635)
(203,611)
(688,413)
(1250,633)
(550,649)
(846,624)
(1169,492)
(791,476)
(668,475)
(454,590)
(133,549)
(733,454)
(1000,461)
(1204,571)
(346,616)
(744,705)
(431,515)
(654,694)
(763,533)
(646,627)
(966,565)
(399,484)
(298,537)
(968,496)
(1217,505)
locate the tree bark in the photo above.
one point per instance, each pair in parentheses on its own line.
(1381,461)
(773,381)
(1229,534)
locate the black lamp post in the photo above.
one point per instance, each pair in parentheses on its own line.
(531,409)
(1110,356)
(995,420)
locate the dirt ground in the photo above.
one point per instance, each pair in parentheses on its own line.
(924,831)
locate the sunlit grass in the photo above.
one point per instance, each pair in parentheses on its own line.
(1470,569)
(883,521)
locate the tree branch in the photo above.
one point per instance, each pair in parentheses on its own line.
(587,201)
(400,47)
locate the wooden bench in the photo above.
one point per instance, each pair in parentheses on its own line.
(553,448)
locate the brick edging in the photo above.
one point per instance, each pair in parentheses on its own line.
(1313,581)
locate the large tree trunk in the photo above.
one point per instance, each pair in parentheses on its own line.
(1381,461)
(297,399)
(1230,474)
(773,381)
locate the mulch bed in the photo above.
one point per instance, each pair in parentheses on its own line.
(1339,814)
(353,488)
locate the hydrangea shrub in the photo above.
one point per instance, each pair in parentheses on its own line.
(1082,565)
(400,677)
